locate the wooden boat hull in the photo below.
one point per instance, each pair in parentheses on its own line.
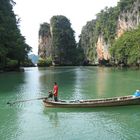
(106,102)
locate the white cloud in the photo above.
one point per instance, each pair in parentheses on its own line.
(35,12)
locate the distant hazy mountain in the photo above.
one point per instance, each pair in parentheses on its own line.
(34,58)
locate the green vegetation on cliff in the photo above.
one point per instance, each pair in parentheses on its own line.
(125,5)
(87,41)
(63,40)
(98,36)
(44,29)
(13,49)
(126,49)
(106,25)
(63,49)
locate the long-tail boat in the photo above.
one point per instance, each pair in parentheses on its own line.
(103,102)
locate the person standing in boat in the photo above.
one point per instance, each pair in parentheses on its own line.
(55,91)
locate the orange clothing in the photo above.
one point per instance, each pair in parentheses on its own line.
(55,90)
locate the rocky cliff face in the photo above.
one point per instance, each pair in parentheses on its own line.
(57,42)
(102,48)
(44,47)
(127,20)
(98,35)
(44,42)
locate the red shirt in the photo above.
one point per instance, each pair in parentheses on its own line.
(55,90)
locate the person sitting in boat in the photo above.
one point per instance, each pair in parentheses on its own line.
(50,94)
(137,93)
(55,91)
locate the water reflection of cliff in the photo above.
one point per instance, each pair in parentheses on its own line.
(64,76)
(101,81)
(79,84)
(90,82)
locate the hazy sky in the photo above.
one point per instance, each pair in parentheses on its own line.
(35,12)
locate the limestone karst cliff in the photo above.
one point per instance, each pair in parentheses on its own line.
(129,19)
(102,48)
(44,42)
(109,25)
(57,42)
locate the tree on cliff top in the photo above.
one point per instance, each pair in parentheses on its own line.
(44,29)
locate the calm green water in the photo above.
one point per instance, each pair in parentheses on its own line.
(32,121)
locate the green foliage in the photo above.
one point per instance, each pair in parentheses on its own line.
(87,41)
(80,55)
(63,40)
(27,63)
(125,5)
(44,29)
(105,25)
(11,63)
(126,49)
(12,43)
(44,62)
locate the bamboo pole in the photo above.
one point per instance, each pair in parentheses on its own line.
(19,101)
